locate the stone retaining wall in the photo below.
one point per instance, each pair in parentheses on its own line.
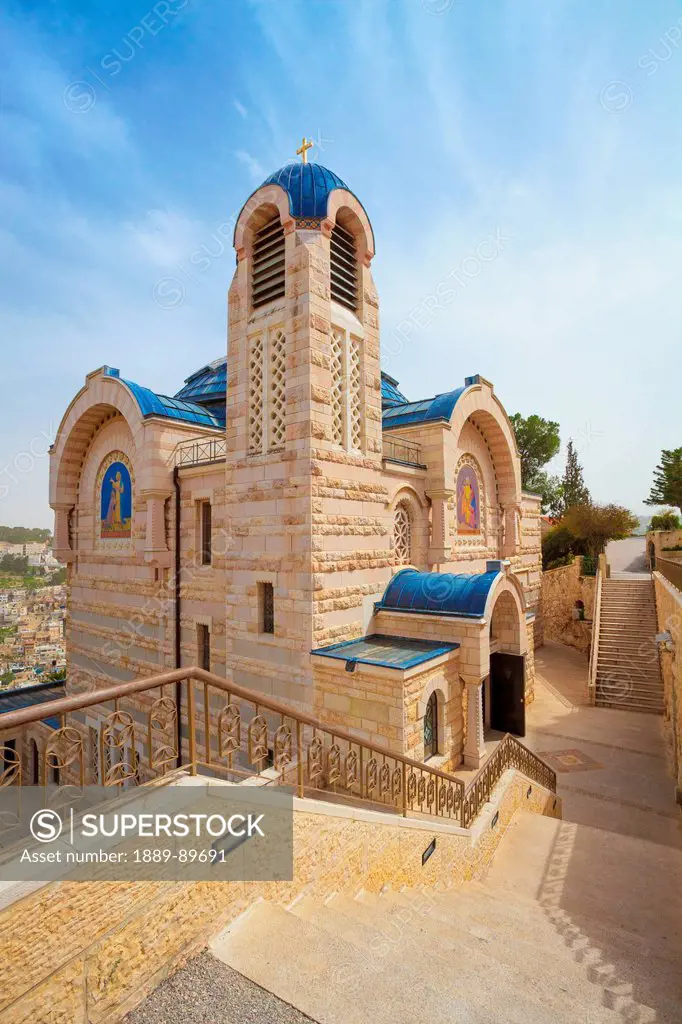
(669,613)
(561,588)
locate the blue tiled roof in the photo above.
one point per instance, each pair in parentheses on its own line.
(308,187)
(429,410)
(398,652)
(28,696)
(210,382)
(439,593)
(390,396)
(151,404)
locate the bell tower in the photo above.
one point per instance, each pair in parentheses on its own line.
(307,535)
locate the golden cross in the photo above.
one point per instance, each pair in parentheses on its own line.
(303,151)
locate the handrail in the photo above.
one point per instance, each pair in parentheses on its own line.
(409,787)
(671,569)
(594,649)
(509,752)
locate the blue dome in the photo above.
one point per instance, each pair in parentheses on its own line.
(207,384)
(390,395)
(440,593)
(308,187)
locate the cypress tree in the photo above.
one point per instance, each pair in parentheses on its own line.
(575,491)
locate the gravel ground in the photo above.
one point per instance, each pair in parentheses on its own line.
(207,991)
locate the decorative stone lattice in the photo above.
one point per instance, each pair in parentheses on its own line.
(354,373)
(277,389)
(402,536)
(336,392)
(256,397)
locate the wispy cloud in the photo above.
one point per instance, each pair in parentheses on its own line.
(252,164)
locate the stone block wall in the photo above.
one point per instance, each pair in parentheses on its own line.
(669,613)
(561,588)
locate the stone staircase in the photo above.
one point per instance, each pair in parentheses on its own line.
(536,942)
(628,668)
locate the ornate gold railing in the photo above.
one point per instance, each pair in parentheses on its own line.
(130,737)
(509,753)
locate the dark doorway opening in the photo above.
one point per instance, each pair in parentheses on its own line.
(507,693)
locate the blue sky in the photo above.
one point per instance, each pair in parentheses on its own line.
(132,133)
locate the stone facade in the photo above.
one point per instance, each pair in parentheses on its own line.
(304,506)
(562,589)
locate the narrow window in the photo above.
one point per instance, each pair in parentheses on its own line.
(355,389)
(205,533)
(203,646)
(431,727)
(266,607)
(337,389)
(277,396)
(267,279)
(344,268)
(256,396)
(402,539)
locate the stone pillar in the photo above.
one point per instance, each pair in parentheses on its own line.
(511,531)
(155,545)
(440,549)
(474,750)
(62,549)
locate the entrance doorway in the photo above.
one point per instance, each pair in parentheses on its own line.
(507,693)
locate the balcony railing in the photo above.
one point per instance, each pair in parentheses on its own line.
(397,449)
(236,733)
(196,453)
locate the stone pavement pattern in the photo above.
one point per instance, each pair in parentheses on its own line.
(578,921)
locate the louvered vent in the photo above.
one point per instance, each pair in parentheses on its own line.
(344,268)
(268,263)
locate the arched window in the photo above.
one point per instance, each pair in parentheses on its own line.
(431,727)
(343,268)
(402,535)
(267,275)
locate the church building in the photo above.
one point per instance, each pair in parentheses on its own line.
(291,520)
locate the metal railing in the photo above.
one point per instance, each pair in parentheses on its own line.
(602,571)
(397,449)
(509,753)
(671,569)
(195,453)
(236,733)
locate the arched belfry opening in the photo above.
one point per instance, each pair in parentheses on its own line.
(343,267)
(268,263)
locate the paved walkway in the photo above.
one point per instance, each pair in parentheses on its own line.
(630,792)
(627,555)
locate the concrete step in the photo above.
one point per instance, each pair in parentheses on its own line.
(332,980)
(367,922)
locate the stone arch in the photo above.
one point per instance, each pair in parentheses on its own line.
(259,208)
(407,498)
(481,407)
(344,208)
(436,692)
(505,613)
(101,400)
